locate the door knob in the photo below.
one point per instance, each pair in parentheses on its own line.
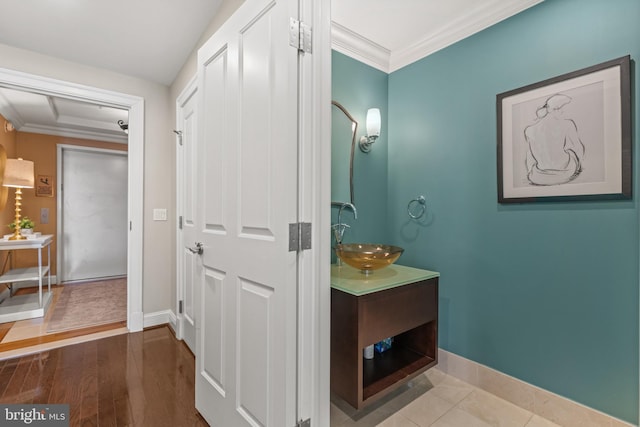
(199,249)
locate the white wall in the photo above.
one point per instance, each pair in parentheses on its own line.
(159,260)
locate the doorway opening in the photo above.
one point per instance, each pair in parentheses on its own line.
(134,170)
(92,213)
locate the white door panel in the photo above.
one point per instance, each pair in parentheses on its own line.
(247,195)
(213,364)
(189,263)
(218,131)
(190,297)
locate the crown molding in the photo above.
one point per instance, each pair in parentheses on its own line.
(359,48)
(10,113)
(364,50)
(463,27)
(73,133)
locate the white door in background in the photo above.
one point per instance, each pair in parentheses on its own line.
(246,360)
(189,263)
(92,213)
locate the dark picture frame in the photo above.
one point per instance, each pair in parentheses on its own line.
(44,186)
(567,138)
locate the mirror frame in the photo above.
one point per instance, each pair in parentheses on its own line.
(353,146)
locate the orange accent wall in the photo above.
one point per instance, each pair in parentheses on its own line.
(42,150)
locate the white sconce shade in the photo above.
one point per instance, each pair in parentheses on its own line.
(373,122)
(373,129)
(18,173)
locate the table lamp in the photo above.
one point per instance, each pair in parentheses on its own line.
(18,174)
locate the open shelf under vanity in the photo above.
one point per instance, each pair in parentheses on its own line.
(406,311)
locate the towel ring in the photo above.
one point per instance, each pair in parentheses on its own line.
(419,212)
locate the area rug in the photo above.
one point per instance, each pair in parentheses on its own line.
(89,304)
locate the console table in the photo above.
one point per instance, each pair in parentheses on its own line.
(397,301)
(20,307)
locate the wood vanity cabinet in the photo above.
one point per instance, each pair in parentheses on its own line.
(407,312)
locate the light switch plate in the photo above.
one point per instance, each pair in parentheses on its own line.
(44,215)
(159,214)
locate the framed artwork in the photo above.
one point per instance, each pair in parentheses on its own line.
(44,186)
(568,137)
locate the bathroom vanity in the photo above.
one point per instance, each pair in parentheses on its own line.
(397,301)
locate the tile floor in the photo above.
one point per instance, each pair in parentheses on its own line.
(436,399)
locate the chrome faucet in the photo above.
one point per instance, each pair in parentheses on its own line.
(340,227)
(350,206)
(338,231)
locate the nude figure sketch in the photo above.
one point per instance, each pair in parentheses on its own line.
(555,152)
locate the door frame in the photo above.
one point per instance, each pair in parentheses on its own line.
(43,85)
(314,275)
(190,89)
(60,148)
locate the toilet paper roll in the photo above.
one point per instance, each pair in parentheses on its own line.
(368,352)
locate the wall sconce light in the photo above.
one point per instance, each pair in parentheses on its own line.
(124,126)
(18,174)
(8,126)
(373,130)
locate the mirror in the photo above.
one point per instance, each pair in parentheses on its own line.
(343,142)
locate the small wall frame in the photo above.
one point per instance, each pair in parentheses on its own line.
(44,186)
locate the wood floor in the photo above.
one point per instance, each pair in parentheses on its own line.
(137,379)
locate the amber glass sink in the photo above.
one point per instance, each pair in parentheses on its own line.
(367,257)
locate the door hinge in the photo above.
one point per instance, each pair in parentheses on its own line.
(180,222)
(300,35)
(305,423)
(179,133)
(299,236)
(180,307)
(130,225)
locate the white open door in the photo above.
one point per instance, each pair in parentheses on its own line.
(247,195)
(188,262)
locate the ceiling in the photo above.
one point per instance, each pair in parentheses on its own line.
(148,39)
(151,39)
(36,113)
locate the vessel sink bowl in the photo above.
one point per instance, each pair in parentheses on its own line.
(367,257)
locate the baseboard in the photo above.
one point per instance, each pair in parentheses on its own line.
(548,405)
(173,321)
(160,318)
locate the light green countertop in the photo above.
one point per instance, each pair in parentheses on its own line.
(352,281)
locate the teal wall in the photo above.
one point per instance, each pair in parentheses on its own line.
(359,87)
(544,292)
(547,293)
